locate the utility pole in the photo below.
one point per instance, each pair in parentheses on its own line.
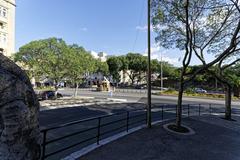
(161,73)
(149,106)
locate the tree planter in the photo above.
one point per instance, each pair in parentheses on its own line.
(184,130)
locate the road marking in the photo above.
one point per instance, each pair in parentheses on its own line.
(115,99)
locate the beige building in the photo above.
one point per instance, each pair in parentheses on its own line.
(7,27)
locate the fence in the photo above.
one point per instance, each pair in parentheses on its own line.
(123,90)
(63,139)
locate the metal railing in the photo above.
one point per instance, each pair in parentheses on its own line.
(101,127)
(130,118)
(121,90)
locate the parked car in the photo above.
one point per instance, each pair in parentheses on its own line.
(49,94)
(141,86)
(200,90)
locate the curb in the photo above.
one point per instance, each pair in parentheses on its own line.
(89,148)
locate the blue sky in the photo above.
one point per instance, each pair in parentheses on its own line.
(112,26)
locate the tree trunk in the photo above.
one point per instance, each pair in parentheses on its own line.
(19,114)
(236,91)
(56,89)
(179,104)
(132,80)
(76,90)
(228,99)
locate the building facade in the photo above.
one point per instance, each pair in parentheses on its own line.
(7,27)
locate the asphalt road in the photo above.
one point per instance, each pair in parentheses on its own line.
(135,95)
(56,117)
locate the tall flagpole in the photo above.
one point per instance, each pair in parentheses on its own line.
(149,106)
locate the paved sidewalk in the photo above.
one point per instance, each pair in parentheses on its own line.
(215,139)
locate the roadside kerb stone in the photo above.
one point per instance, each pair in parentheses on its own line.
(85,150)
(210,142)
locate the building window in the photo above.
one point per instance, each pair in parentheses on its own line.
(1,50)
(2,25)
(3,38)
(3,12)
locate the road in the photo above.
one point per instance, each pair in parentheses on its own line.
(134,95)
(50,118)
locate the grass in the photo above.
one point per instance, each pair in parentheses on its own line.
(188,94)
(44,88)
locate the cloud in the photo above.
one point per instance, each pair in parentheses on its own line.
(144,28)
(157,53)
(84,29)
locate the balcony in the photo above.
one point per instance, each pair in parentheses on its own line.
(3,19)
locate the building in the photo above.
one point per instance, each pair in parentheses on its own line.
(102,56)
(96,78)
(7,27)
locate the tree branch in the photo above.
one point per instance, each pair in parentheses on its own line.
(229,65)
(219,29)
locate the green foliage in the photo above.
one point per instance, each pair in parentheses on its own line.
(80,62)
(136,65)
(45,57)
(101,67)
(54,59)
(115,65)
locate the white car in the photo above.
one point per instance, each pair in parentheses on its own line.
(200,90)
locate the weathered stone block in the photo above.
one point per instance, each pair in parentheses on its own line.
(19,113)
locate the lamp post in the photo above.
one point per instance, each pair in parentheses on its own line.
(149,106)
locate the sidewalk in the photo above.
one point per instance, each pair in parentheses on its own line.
(215,139)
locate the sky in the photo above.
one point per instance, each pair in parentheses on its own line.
(113,26)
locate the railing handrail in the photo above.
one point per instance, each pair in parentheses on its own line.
(195,107)
(88,119)
(108,115)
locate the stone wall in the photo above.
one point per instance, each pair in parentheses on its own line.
(19,114)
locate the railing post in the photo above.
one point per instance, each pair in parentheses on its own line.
(176,110)
(98,132)
(44,144)
(210,109)
(199,109)
(127,120)
(188,110)
(162,111)
(146,117)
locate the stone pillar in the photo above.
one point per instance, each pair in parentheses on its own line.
(19,114)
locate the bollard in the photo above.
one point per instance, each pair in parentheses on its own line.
(98,133)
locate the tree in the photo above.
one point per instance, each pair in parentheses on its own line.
(80,62)
(137,66)
(168,69)
(101,67)
(197,27)
(114,65)
(48,56)
(235,76)
(19,114)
